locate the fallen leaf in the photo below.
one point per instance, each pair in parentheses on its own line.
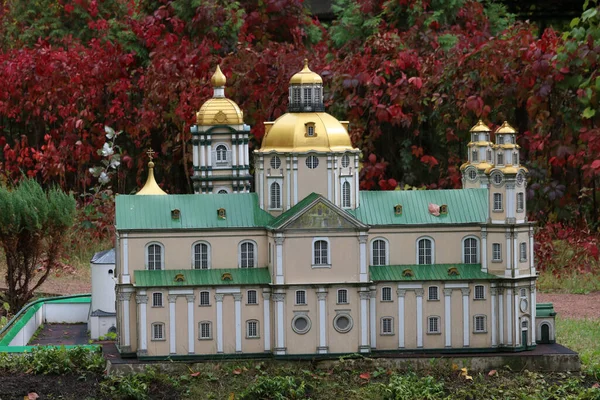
(596,385)
(237,371)
(32,396)
(365,375)
(231,396)
(493,372)
(194,374)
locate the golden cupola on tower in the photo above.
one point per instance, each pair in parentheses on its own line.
(306,127)
(480,148)
(219,110)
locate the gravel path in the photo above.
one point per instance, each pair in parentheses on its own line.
(577,306)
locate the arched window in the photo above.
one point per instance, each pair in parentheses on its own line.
(520,201)
(275,196)
(425,251)
(221,153)
(154,256)
(470,250)
(201,256)
(247,254)
(346,194)
(320,252)
(379,252)
(252,329)
(222,191)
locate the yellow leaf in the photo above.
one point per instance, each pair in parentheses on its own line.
(231,396)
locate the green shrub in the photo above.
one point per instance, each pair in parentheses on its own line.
(134,386)
(54,361)
(410,386)
(276,388)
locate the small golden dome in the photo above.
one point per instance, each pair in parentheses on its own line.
(289,133)
(306,76)
(505,128)
(218,79)
(480,127)
(219,111)
(151,187)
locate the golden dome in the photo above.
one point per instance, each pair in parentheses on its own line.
(151,187)
(506,128)
(218,79)
(306,76)
(480,127)
(219,111)
(290,133)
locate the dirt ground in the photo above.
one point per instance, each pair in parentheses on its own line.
(578,306)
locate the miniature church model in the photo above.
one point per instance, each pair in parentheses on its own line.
(309,265)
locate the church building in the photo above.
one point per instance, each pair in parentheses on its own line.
(307,264)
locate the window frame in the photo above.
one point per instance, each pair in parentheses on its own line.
(476,296)
(226,160)
(476,317)
(464,249)
(254,253)
(432,250)
(346,192)
(438,323)
(210,336)
(343,314)
(345,160)
(277,205)
(522,251)
(520,202)
(275,162)
(200,300)
(497,205)
(257,329)
(328,253)
(382,294)
(337,296)
(308,324)
(382,331)
(386,252)
(311,161)
(208,254)
(156,295)
(163,332)
(300,292)
(248,297)
(162,256)
(499,259)
(437,293)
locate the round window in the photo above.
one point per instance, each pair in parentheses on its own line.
(472,174)
(312,162)
(275,162)
(343,323)
(301,324)
(345,161)
(524,305)
(520,179)
(497,178)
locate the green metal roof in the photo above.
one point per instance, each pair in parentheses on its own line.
(433,272)
(545,310)
(202,277)
(286,216)
(196,211)
(464,206)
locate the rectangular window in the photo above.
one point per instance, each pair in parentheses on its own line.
(307,96)
(300,297)
(500,159)
(157,300)
(520,201)
(346,196)
(296,95)
(500,139)
(497,201)
(496,252)
(475,156)
(321,253)
(204,298)
(434,325)
(433,293)
(158,332)
(205,330)
(252,329)
(523,251)
(479,292)
(479,324)
(386,294)
(387,324)
(251,297)
(342,296)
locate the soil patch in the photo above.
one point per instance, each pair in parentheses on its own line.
(67,387)
(576,306)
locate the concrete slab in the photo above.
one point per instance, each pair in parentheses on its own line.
(61,334)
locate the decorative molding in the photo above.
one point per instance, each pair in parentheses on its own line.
(465,291)
(124,296)
(190,298)
(401,292)
(266,295)
(237,296)
(532,288)
(419,292)
(279,241)
(508,235)
(141,299)
(364,295)
(493,291)
(362,238)
(278,297)
(219,297)
(172,298)
(321,295)
(448,292)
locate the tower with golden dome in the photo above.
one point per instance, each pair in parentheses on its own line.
(306,150)
(220,144)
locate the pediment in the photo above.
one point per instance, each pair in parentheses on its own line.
(322,215)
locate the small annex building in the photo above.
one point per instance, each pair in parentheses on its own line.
(308,264)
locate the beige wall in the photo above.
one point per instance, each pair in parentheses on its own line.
(312,180)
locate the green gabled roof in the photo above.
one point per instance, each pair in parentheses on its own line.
(289,214)
(197,211)
(545,310)
(434,272)
(202,277)
(464,206)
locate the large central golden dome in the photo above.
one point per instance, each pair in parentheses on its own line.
(289,133)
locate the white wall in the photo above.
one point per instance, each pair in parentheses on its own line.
(103,287)
(70,313)
(99,326)
(22,338)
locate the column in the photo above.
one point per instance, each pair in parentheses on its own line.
(288,165)
(246,151)
(190,310)
(142,300)
(237,298)
(493,292)
(241,148)
(531,253)
(267,320)
(401,293)
(125,279)
(219,301)
(202,153)
(356,183)
(278,298)
(373,316)
(510,201)
(234,154)
(466,316)
(172,321)
(329,178)
(484,258)
(516,319)
(532,325)
(336,184)
(501,316)
(419,293)
(124,299)
(508,271)
(509,316)
(295,168)
(362,240)
(195,154)
(261,181)
(448,317)
(515,255)
(364,321)
(209,157)
(279,259)
(321,297)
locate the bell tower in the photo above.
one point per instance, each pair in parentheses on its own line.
(480,157)
(220,144)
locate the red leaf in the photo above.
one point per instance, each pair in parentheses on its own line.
(195,374)
(365,375)
(596,164)
(372,158)
(416,81)
(237,371)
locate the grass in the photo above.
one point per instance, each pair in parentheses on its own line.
(573,283)
(582,335)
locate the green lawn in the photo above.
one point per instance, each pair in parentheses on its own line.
(582,336)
